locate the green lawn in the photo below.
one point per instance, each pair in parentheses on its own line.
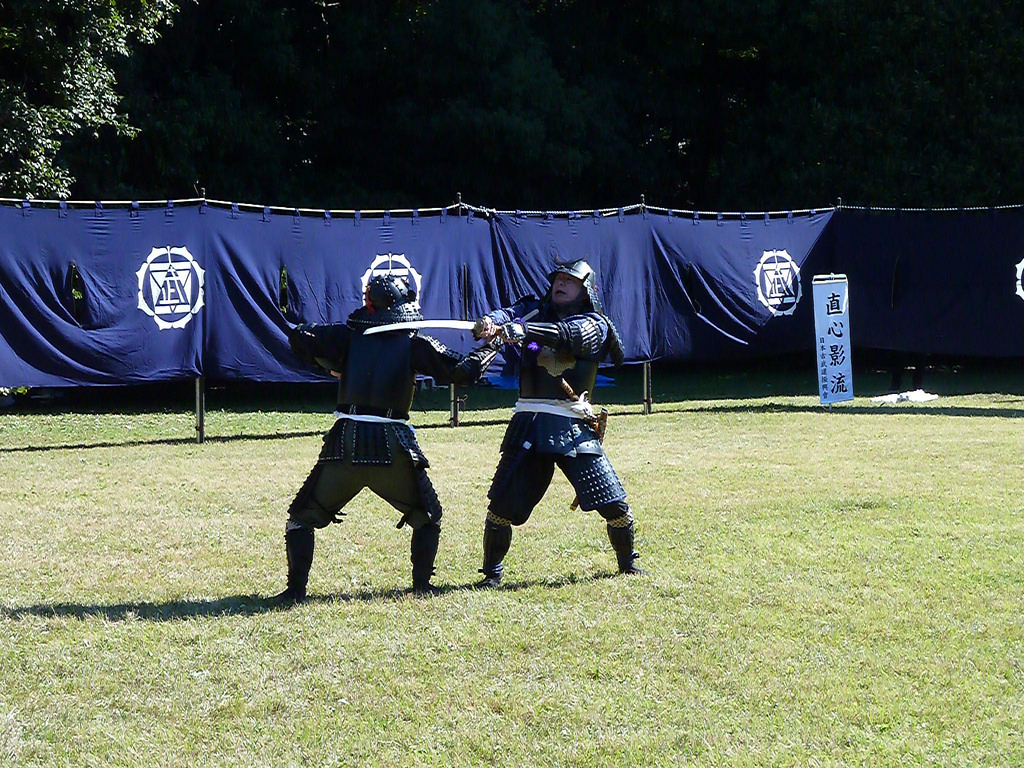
(841,588)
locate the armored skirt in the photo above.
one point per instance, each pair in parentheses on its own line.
(534,444)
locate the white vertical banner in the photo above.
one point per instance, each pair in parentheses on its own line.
(832,332)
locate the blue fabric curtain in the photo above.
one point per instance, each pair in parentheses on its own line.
(44,341)
(945,284)
(111,296)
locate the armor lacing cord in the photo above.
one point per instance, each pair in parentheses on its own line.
(295,525)
(622,521)
(549,334)
(493,518)
(584,336)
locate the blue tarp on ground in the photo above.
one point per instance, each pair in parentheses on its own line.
(122,295)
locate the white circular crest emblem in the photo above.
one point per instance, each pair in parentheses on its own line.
(778,282)
(1020,279)
(170,287)
(395,264)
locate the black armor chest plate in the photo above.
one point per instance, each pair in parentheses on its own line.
(543,368)
(542,372)
(378,372)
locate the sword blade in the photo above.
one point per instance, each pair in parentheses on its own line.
(458,325)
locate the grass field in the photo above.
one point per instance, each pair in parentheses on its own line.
(841,588)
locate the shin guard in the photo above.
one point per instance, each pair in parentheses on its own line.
(299,542)
(497,540)
(620,534)
(423,551)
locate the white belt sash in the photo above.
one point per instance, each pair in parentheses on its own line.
(372,419)
(572,409)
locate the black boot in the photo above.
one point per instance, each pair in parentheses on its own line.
(497,540)
(299,548)
(622,542)
(424,550)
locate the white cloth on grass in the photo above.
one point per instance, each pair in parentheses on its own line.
(912,396)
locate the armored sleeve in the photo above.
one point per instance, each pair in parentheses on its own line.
(518,310)
(322,346)
(432,358)
(582,335)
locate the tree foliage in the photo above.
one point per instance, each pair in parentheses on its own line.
(57,79)
(525,104)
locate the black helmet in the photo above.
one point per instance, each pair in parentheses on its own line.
(388,298)
(581,270)
(578,269)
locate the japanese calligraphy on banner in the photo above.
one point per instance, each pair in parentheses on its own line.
(832,333)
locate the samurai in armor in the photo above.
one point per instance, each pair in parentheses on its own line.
(562,337)
(371,444)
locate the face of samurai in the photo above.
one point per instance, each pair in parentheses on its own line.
(565,289)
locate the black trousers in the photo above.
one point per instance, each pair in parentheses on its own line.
(333,483)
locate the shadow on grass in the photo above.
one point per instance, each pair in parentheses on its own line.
(785,375)
(679,386)
(253,604)
(181,610)
(155,441)
(173,610)
(468,421)
(213,439)
(564,581)
(904,410)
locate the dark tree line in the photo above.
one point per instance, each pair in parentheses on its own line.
(555,104)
